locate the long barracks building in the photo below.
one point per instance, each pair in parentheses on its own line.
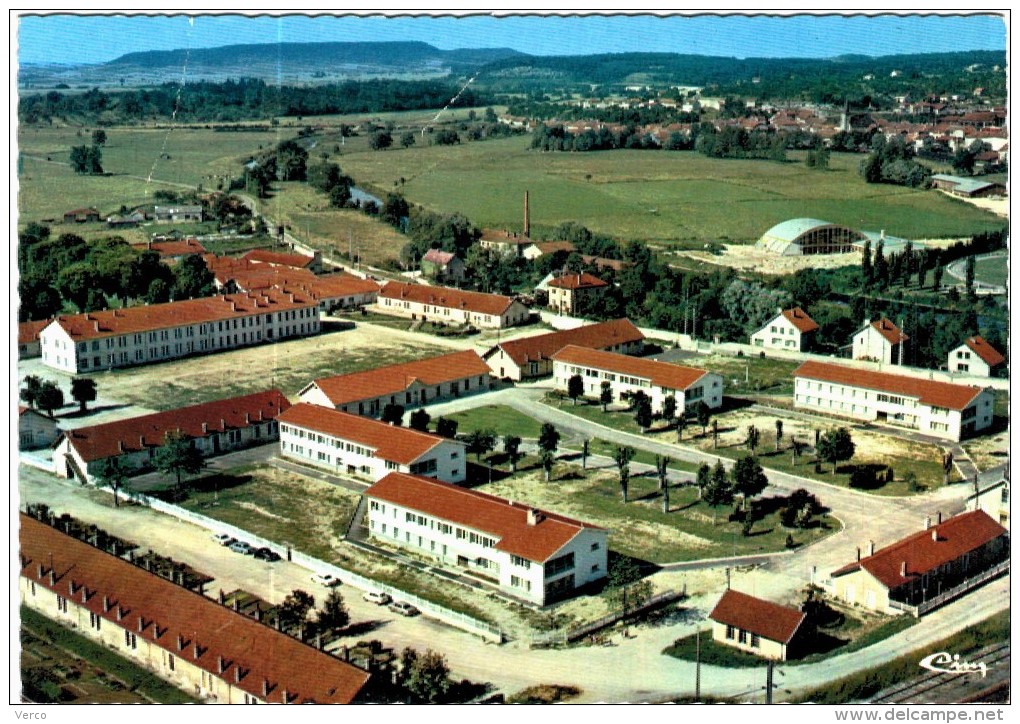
(114,338)
(202,647)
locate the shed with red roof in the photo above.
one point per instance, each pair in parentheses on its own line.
(758,626)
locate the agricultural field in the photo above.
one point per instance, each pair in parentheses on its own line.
(677,199)
(992,270)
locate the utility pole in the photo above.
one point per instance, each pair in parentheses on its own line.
(697,666)
(768,682)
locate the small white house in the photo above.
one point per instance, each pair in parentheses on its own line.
(528,553)
(880,341)
(791,329)
(35,430)
(348,444)
(975,357)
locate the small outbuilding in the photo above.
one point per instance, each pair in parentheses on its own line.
(758,626)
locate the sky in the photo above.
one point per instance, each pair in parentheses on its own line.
(76,39)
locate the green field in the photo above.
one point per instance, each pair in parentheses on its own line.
(992,270)
(499,418)
(661,197)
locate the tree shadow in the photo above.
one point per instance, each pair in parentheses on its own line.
(363,627)
(92,411)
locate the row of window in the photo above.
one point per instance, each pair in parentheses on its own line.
(741,635)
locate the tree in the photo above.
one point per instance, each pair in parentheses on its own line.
(83,391)
(445,427)
(584,453)
(753,438)
(178,456)
(779,433)
(626,586)
(50,397)
(715,434)
(380,140)
(480,442)
(643,413)
(87,160)
(749,478)
(407,139)
(193,279)
(669,409)
(547,459)
(681,425)
(796,447)
(334,615)
(575,387)
(548,438)
(718,491)
(969,276)
(835,446)
(426,677)
(512,448)
(937,278)
(30,392)
(622,456)
(704,414)
(704,477)
(867,270)
(113,475)
(99,137)
(606,395)
(662,470)
(419,420)
(291,161)
(294,609)
(393,414)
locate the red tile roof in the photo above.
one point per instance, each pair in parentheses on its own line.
(439,257)
(800,319)
(577,281)
(928,392)
(662,374)
(164,613)
(603,263)
(493,304)
(769,620)
(397,444)
(889,331)
(172,248)
(926,550)
(113,322)
(139,433)
(28,332)
(266,256)
(397,378)
(501,518)
(985,351)
(551,247)
(251,276)
(495,236)
(593,336)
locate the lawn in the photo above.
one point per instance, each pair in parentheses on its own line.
(501,419)
(669,198)
(691,530)
(992,270)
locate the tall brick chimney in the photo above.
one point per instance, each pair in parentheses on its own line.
(527,215)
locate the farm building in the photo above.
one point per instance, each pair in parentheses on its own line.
(81,216)
(201,646)
(970,188)
(809,236)
(757,626)
(528,553)
(174,214)
(928,568)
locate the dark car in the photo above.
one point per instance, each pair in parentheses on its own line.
(266,554)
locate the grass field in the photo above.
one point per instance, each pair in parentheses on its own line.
(668,198)
(500,418)
(992,270)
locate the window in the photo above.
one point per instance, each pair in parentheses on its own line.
(61,604)
(730,632)
(559,565)
(522,562)
(743,636)
(595,546)
(95,621)
(755,641)
(130,640)
(171,662)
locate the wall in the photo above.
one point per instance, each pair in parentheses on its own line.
(767,648)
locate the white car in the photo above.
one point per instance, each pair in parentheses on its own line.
(222,538)
(377,597)
(326,579)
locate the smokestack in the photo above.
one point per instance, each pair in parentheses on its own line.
(939,517)
(934,535)
(858,554)
(871,548)
(534,517)
(927,522)
(527,215)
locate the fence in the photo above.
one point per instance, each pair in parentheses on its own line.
(575,632)
(923,608)
(462,621)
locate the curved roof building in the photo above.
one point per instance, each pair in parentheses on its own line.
(809,236)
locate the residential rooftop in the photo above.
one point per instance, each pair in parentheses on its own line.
(768,620)
(478,302)
(594,336)
(662,374)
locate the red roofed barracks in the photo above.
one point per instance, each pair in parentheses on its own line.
(411,384)
(940,409)
(158,332)
(927,569)
(444,305)
(528,553)
(214,427)
(202,647)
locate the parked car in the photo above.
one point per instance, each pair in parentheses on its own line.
(239,546)
(377,597)
(267,554)
(224,539)
(326,579)
(404,609)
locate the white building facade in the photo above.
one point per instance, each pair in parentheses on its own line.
(528,554)
(940,409)
(880,341)
(346,444)
(788,330)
